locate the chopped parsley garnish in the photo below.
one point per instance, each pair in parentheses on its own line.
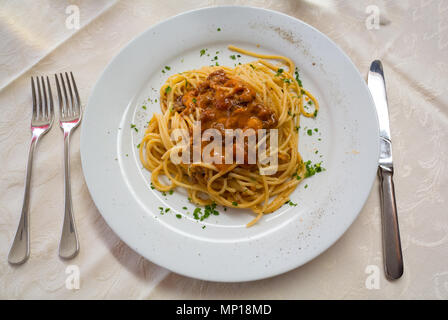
(315,114)
(134,127)
(235,204)
(279,72)
(144,107)
(178,216)
(167,68)
(185,208)
(309,132)
(152,186)
(306,186)
(194,100)
(164,210)
(219,29)
(233,57)
(203,227)
(298,79)
(138,146)
(312,169)
(167,89)
(292,204)
(252,66)
(202,52)
(210,209)
(196,213)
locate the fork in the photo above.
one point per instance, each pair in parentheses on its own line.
(41,122)
(69,119)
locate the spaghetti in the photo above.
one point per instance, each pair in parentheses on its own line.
(256,95)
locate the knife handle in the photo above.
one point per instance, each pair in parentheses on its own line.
(393,258)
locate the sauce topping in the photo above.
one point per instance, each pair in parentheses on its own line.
(226,103)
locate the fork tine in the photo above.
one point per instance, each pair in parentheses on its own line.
(44,93)
(33,90)
(50,98)
(78,101)
(40,99)
(72,102)
(64,90)
(58,87)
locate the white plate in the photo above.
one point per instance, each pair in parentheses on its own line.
(226,250)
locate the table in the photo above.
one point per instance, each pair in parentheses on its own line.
(411,39)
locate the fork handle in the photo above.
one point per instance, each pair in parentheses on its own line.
(69,244)
(20,249)
(393,257)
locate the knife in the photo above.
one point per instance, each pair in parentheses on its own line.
(393,258)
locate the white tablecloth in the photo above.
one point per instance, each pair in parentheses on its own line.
(412,42)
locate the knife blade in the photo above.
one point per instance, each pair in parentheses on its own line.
(392,255)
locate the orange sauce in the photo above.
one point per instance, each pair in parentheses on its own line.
(226,103)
